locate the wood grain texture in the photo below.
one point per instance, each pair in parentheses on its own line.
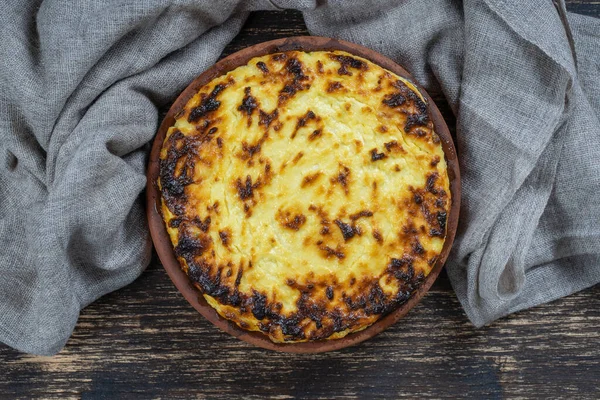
(146,341)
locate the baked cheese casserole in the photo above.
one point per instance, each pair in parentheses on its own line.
(305,193)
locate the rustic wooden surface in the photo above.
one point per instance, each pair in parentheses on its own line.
(145,341)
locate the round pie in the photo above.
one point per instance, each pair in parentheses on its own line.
(305,193)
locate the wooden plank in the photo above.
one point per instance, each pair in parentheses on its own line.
(585,7)
(146,341)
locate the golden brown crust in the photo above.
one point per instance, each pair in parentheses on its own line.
(288,221)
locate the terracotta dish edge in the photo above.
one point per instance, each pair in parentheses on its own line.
(162,241)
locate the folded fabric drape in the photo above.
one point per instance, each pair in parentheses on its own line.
(81,85)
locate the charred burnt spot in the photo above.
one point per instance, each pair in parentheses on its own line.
(342,178)
(404,90)
(440,230)
(176,170)
(310,179)
(394,100)
(248,151)
(203,225)
(265,119)
(430,184)
(213,208)
(263,67)
(405,263)
(409,229)
(375,156)
(420,133)
(408,102)
(427,199)
(420,106)
(441,218)
(172,185)
(420,118)
(348,230)
(249,104)
(320,69)
(297,83)
(413,120)
(259,305)
(433,232)
(377,236)
(289,220)
(372,300)
(297,157)
(393,146)
(246,190)
(294,67)
(402,268)
(338,321)
(361,214)
(435,161)
(175,222)
(418,198)
(382,129)
(220,142)
(190,245)
(208,281)
(291,328)
(329,252)
(357,303)
(225,236)
(208,104)
(315,134)
(244,325)
(329,293)
(318,323)
(279,57)
(205,130)
(302,121)
(377,300)
(290,90)
(348,62)
(235,298)
(334,86)
(314,208)
(417,248)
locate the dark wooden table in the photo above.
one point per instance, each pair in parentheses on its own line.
(146,341)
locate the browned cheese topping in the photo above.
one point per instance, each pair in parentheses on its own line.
(305,194)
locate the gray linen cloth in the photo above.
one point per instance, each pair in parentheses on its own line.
(81,84)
